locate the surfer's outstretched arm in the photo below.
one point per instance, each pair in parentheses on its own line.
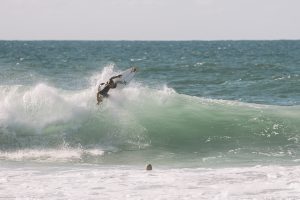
(115,77)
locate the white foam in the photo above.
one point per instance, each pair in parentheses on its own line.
(42,155)
(96,182)
(33,109)
(107,72)
(64,154)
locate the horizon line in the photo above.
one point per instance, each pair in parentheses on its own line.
(138,40)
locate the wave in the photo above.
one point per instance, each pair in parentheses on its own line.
(137,117)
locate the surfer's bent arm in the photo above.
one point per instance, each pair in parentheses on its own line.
(99,86)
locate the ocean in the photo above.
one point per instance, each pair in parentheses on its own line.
(216,119)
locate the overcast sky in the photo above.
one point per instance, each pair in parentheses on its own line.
(149,19)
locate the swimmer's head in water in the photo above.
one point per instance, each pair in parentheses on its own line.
(149,167)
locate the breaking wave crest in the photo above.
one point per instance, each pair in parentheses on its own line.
(34,120)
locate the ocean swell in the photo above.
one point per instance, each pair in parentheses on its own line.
(138,118)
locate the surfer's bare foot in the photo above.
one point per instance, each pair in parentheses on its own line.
(133,70)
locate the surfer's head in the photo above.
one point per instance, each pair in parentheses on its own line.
(149,167)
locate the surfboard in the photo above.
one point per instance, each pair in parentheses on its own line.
(127,76)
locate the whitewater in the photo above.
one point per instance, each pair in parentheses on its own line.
(203,141)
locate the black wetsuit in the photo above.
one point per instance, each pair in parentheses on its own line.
(104,91)
(110,84)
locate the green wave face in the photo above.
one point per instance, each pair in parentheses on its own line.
(138,123)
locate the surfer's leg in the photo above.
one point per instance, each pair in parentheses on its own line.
(99,98)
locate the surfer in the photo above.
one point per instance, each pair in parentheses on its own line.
(108,85)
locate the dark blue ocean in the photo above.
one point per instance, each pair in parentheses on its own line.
(193,103)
